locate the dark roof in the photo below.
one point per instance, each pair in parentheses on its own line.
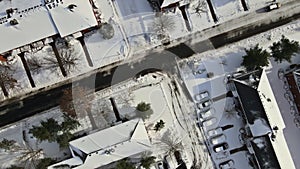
(265,155)
(182,166)
(250,102)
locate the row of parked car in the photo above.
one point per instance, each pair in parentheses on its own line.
(206,118)
(219,145)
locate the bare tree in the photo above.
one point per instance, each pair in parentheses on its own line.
(6,79)
(29,157)
(162,24)
(35,64)
(171,142)
(199,6)
(69,58)
(76,102)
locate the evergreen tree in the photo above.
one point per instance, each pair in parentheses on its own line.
(159,125)
(69,124)
(143,106)
(44,163)
(63,139)
(123,164)
(147,161)
(7,144)
(52,131)
(284,49)
(47,131)
(144,110)
(15,167)
(255,58)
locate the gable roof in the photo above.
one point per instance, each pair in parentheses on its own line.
(258,101)
(112,144)
(39,22)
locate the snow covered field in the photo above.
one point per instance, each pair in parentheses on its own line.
(227,60)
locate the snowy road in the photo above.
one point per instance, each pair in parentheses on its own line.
(47,98)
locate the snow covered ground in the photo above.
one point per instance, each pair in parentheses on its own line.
(132,31)
(44,77)
(152,88)
(106,51)
(227,60)
(23,84)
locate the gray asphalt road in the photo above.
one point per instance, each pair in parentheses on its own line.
(19,108)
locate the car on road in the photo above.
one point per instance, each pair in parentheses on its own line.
(214,132)
(273,6)
(204,105)
(227,164)
(209,122)
(218,139)
(200,96)
(220,147)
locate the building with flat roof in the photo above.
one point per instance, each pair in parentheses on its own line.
(264,124)
(20,27)
(108,146)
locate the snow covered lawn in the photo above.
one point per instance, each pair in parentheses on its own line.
(44,77)
(23,84)
(226,9)
(106,51)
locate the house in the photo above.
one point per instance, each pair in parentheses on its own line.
(264,126)
(107,146)
(22,27)
(166,5)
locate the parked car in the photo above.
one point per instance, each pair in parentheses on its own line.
(273,6)
(209,122)
(205,114)
(227,164)
(200,71)
(201,96)
(205,104)
(218,139)
(214,132)
(220,147)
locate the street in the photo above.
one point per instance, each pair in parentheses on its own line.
(15,109)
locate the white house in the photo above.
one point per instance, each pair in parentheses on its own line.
(20,27)
(107,146)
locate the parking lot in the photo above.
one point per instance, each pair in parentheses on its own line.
(214,106)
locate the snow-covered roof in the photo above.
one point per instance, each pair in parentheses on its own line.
(71,21)
(112,144)
(166,3)
(269,102)
(39,21)
(258,101)
(275,119)
(32,26)
(75,161)
(260,127)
